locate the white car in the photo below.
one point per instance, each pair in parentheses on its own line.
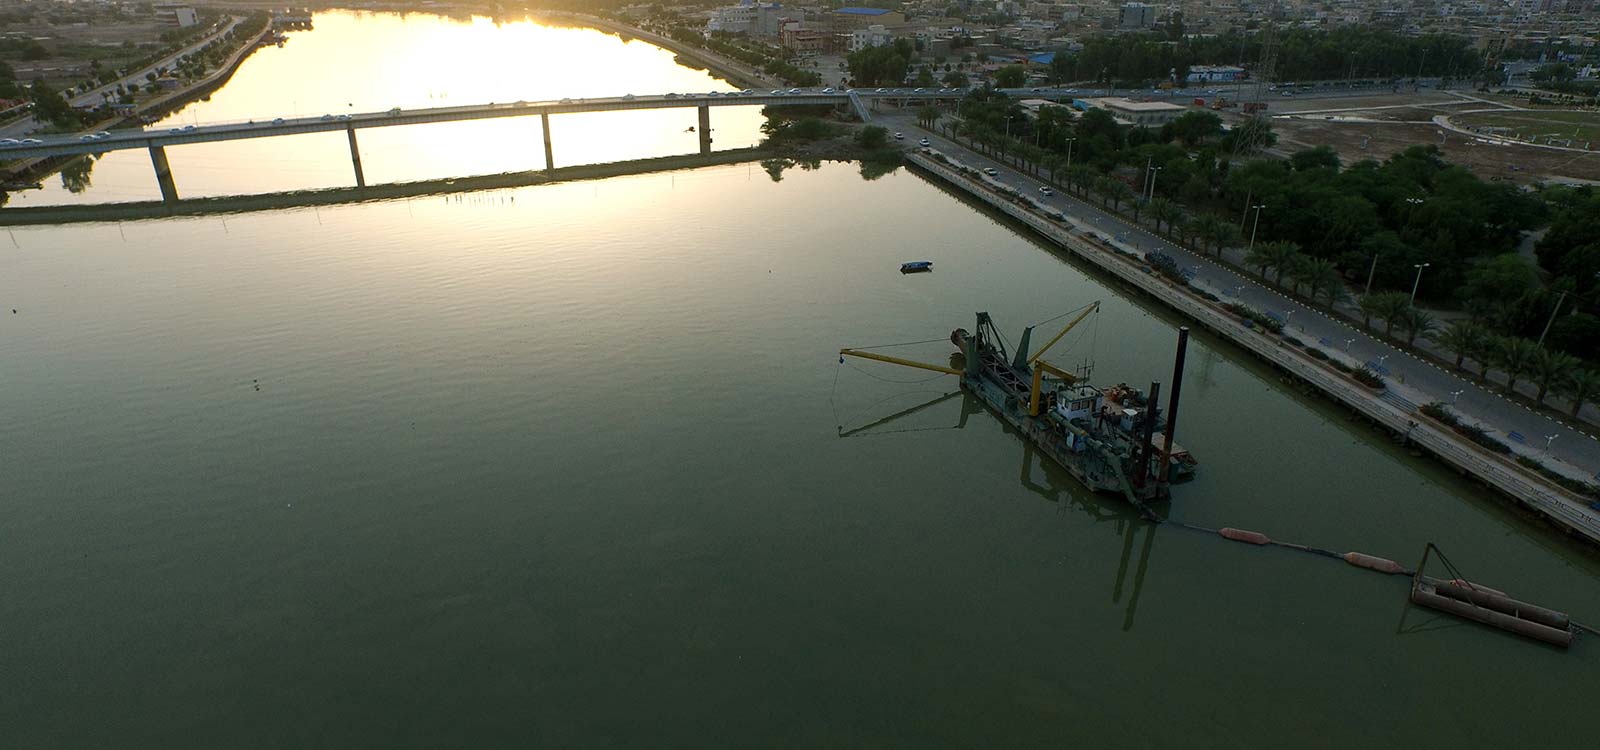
(991,171)
(899,136)
(713,93)
(794,91)
(924,142)
(776,92)
(1045,190)
(827,91)
(277,121)
(9,141)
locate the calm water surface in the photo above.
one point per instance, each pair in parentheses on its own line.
(563,466)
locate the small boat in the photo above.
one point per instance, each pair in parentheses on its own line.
(916,266)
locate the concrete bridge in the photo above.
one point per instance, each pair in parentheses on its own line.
(156,141)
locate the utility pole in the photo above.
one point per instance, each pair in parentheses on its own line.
(1418,282)
(1254,226)
(1552,319)
(1370,271)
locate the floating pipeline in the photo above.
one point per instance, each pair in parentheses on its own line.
(1456,596)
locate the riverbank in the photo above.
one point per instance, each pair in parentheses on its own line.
(137,210)
(722,67)
(1531,491)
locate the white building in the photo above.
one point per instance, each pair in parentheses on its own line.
(754,18)
(871,36)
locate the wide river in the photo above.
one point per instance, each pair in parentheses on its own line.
(563,466)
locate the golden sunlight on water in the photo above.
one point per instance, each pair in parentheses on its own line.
(368,62)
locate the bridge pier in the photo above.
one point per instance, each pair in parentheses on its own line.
(549,153)
(169,189)
(355,157)
(705,129)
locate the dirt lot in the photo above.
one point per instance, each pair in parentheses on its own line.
(1377,140)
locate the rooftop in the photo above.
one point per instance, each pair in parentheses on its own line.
(862,11)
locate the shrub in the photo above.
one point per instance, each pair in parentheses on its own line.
(1367,377)
(1316,353)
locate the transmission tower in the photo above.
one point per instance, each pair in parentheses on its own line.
(1252,133)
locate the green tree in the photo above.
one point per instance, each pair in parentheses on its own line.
(1514,356)
(1321,157)
(872,137)
(1463,337)
(1280,256)
(1322,279)
(1552,368)
(955,79)
(1390,306)
(1580,385)
(1502,278)
(1195,127)
(1010,77)
(1415,322)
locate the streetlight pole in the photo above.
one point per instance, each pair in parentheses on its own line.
(1370,271)
(1418,282)
(1255,225)
(1069,152)
(1552,319)
(1153,171)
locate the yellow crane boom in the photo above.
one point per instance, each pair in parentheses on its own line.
(1064,331)
(897,361)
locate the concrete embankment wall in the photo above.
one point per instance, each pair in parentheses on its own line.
(1548,500)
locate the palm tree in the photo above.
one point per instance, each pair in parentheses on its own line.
(1207,228)
(1083,176)
(1116,191)
(1514,356)
(1580,385)
(1462,337)
(1323,278)
(1053,163)
(1228,235)
(1164,211)
(1282,257)
(1390,306)
(1551,368)
(929,117)
(1415,321)
(1260,256)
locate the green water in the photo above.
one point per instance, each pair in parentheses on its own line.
(561,466)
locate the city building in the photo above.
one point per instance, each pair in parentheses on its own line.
(1141,114)
(171,14)
(753,18)
(871,36)
(1137,16)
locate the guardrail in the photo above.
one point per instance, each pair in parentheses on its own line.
(1547,498)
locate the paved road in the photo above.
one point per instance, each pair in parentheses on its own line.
(1412,380)
(27,125)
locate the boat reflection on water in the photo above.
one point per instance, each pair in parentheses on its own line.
(1057,487)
